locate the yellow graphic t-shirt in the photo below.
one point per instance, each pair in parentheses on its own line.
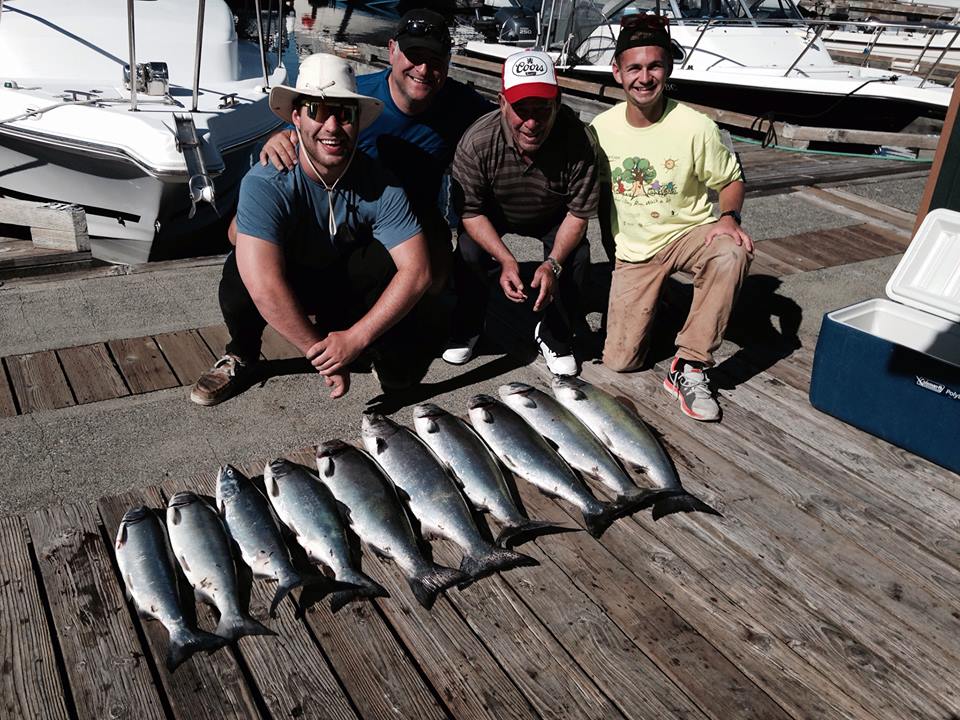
(659,176)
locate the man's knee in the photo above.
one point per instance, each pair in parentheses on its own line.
(729,254)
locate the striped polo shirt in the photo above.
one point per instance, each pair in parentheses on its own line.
(491,179)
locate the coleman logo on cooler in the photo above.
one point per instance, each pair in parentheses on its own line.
(529,67)
(929,385)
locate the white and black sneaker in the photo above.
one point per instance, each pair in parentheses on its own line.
(460,352)
(563,365)
(690,385)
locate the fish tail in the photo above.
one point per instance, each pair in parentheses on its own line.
(491,559)
(283,589)
(234,627)
(437,578)
(680,501)
(527,530)
(640,499)
(598,521)
(185,643)
(362,587)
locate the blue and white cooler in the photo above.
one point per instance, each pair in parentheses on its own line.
(892,367)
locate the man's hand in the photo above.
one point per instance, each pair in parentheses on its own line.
(281,150)
(339,384)
(728,226)
(335,352)
(511,283)
(546,281)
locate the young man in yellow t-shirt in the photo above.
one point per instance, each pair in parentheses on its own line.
(658,159)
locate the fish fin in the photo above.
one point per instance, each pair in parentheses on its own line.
(185,643)
(175,515)
(598,522)
(344,511)
(681,501)
(325,466)
(510,463)
(234,627)
(528,402)
(361,587)
(493,559)
(553,444)
(578,394)
(431,426)
(513,535)
(127,586)
(121,536)
(486,416)
(183,563)
(427,585)
(639,499)
(380,445)
(283,589)
(382,554)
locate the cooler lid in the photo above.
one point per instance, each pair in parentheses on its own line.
(928,276)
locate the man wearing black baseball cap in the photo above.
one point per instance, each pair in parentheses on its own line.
(658,161)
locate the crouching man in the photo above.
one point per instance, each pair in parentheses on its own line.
(658,160)
(333,237)
(528,168)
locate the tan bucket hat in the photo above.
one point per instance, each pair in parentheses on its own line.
(326,77)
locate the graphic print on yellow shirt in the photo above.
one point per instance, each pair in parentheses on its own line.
(660,176)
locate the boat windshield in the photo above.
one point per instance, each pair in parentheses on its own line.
(706,9)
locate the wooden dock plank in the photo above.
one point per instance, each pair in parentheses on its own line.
(546,674)
(778,251)
(101,650)
(7,406)
(471,683)
(638,677)
(206,687)
(684,623)
(788,567)
(142,364)
(277,347)
(291,672)
(91,373)
(30,684)
(378,674)
(187,354)
(39,382)
(216,337)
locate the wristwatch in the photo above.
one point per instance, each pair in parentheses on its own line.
(735,214)
(555,266)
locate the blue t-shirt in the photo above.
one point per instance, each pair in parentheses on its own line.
(289,209)
(419,148)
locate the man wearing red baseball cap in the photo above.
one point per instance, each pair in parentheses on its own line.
(530,169)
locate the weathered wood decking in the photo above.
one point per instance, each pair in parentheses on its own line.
(827,590)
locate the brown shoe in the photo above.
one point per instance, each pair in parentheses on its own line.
(228,376)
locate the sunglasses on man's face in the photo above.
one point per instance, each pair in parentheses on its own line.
(321,111)
(643,21)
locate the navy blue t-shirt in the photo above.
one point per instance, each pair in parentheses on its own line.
(419,148)
(289,209)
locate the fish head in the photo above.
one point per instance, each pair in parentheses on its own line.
(480,406)
(130,517)
(228,484)
(326,454)
(375,425)
(517,395)
(176,505)
(425,418)
(569,388)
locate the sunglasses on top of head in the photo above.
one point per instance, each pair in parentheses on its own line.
(643,21)
(416,27)
(320,111)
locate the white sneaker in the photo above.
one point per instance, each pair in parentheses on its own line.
(564,365)
(459,352)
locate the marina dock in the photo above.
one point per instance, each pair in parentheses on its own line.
(828,589)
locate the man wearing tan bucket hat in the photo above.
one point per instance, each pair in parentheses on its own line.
(332,237)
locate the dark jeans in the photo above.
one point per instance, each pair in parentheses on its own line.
(474,270)
(337,295)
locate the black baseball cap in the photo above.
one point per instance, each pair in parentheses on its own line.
(643,30)
(424,29)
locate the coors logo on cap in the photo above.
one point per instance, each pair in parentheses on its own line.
(529,74)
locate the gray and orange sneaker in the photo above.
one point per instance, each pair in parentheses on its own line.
(229,375)
(688,382)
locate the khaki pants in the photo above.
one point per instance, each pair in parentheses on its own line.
(718,272)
